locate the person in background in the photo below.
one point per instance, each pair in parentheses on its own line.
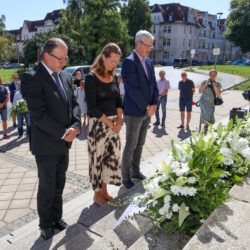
(81,99)
(207,99)
(21,115)
(187,89)
(163,87)
(140,103)
(4,98)
(105,122)
(55,122)
(121,87)
(78,79)
(13,88)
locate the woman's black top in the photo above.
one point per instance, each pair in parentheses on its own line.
(102,98)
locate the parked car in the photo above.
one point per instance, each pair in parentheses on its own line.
(118,71)
(180,63)
(240,62)
(196,63)
(13,66)
(84,69)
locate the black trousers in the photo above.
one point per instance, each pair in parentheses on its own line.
(52,176)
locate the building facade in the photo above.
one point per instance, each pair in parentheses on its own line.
(179,29)
(30,28)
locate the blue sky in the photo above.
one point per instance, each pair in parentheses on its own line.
(16,11)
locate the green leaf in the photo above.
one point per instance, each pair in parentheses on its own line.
(166,168)
(219,130)
(230,125)
(183,213)
(159,192)
(237,178)
(216,173)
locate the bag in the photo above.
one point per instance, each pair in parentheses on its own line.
(217,99)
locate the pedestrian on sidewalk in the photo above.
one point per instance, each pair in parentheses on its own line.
(4,98)
(105,122)
(187,89)
(121,87)
(163,86)
(81,99)
(207,99)
(141,99)
(55,122)
(23,114)
(13,88)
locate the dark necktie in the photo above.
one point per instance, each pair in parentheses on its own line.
(59,87)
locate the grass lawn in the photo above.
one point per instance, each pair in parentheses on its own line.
(7,74)
(230,69)
(243,71)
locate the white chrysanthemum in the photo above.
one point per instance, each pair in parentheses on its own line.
(225,151)
(192,191)
(162,211)
(166,207)
(169,215)
(184,170)
(167,199)
(238,145)
(228,161)
(191,180)
(246,153)
(175,207)
(175,189)
(184,191)
(175,165)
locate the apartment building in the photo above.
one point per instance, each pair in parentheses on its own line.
(179,29)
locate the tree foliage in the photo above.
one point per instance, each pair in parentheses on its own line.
(94,24)
(238,24)
(31,47)
(2,24)
(138,16)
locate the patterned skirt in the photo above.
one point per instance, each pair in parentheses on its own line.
(104,147)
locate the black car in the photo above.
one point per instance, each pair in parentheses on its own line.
(73,69)
(196,63)
(180,63)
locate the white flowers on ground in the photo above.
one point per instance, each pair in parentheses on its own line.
(175,189)
(191,180)
(167,199)
(246,153)
(181,170)
(183,190)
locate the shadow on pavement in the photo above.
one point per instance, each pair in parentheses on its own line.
(183,134)
(13,143)
(159,131)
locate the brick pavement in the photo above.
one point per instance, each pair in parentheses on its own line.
(18,175)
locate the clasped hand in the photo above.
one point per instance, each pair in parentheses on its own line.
(71,134)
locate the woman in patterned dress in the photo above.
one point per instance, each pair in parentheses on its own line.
(207,99)
(105,121)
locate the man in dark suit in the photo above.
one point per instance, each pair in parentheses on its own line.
(55,122)
(140,104)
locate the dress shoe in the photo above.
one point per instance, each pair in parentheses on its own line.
(61,225)
(128,184)
(139,176)
(156,123)
(47,233)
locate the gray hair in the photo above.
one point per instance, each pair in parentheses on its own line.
(213,71)
(50,45)
(142,34)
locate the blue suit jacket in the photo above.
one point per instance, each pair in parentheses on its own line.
(140,90)
(12,89)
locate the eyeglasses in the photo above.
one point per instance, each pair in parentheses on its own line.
(115,62)
(183,75)
(147,45)
(66,59)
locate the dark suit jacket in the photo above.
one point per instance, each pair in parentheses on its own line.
(140,90)
(50,114)
(12,89)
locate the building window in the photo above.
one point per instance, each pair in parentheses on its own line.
(164,42)
(190,32)
(153,29)
(168,42)
(169,29)
(205,33)
(214,35)
(203,45)
(189,43)
(212,45)
(165,55)
(164,29)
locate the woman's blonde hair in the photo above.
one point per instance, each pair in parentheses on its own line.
(98,64)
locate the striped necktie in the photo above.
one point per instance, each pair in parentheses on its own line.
(59,86)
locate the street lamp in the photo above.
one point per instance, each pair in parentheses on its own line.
(219,14)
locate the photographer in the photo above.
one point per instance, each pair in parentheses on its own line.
(207,99)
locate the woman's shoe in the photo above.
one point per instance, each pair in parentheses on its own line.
(100,203)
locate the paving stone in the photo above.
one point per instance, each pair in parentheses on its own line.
(241,191)
(13,214)
(2,213)
(29,180)
(33,204)
(14,181)
(8,188)
(15,175)
(26,187)
(23,203)
(23,195)
(6,196)
(5,170)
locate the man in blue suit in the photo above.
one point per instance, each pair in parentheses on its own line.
(140,104)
